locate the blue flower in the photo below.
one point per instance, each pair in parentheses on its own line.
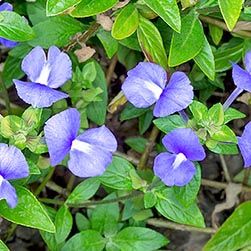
(12,166)
(7,43)
(146,85)
(176,166)
(45,74)
(90,152)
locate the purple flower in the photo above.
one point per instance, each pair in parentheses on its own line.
(12,166)
(146,85)
(244,143)
(7,43)
(242,80)
(45,74)
(175,167)
(90,152)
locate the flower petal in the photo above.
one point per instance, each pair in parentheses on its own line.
(60,131)
(8,43)
(144,84)
(38,95)
(242,78)
(91,161)
(60,67)
(247,61)
(244,143)
(176,96)
(184,140)
(6,7)
(101,137)
(8,192)
(12,163)
(33,63)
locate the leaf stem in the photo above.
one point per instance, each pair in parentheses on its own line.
(44,182)
(225,168)
(181,227)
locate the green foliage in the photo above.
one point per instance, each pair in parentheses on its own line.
(28,212)
(226,238)
(3,247)
(55,7)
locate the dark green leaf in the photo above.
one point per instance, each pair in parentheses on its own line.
(138,239)
(169,123)
(151,42)
(235,232)
(82,222)
(14,27)
(117,175)
(131,112)
(216,33)
(36,11)
(55,7)
(28,212)
(126,23)
(88,8)
(189,41)
(168,11)
(145,120)
(88,240)
(138,144)
(83,191)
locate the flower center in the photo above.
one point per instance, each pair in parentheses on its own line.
(44,75)
(155,89)
(81,146)
(1,180)
(180,157)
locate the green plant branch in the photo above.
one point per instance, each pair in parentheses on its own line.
(225,168)
(222,25)
(151,142)
(171,225)
(44,182)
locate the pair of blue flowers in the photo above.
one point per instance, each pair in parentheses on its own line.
(91,152)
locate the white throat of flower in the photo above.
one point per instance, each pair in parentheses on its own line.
(81,146)
(155,89)
(1,180)
(44,75)
(180,157)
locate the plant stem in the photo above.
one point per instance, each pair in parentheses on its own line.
(70,183)
(5,94)
(222,25)
(51,201)
(129,158)
(43,184)
(225,169)
(181,227)
(237,91)
(83,38)
(111,69)
(144,158)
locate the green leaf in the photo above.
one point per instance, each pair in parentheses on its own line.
(150,199)
(88,8)
(126,23)
(82,222)
(227,53)
(151,42)
(109,43)
(169,123)
(14,27)
(83,191)
(36,11)
(189,41)
(138,144)
(216,114)
(131,112)
(221,147)
(138,239)
(205,60)
(96,111)
(117,174)
(145,121)
(231,10)
(168,11)
(198,110)
(12,70)
(32,117)
(173,209)
(88,240)
(131,42)
(104,218)
(235,232)
(63,224)
(225,134)
(216,33)
(89,71)
(231,114)
(188,193)
(55,7)
(28,212)
(56,31)
(10,125)
(3,247)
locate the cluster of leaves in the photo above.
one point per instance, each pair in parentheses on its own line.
(167,33)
